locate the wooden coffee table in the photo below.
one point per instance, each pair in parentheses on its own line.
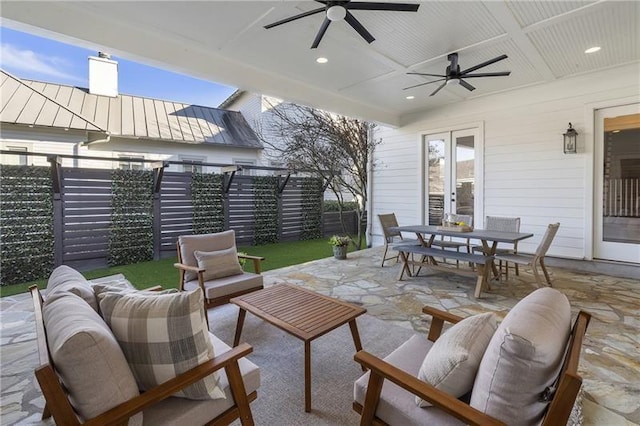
(302,313)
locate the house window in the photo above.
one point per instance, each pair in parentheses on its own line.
(17,160)
(131,165)
(245,172)
(195,167)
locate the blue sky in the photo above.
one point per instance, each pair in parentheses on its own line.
(36,58)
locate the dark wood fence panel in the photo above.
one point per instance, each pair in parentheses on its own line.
(176,210)
(86,216)
(241,206)
(291,217)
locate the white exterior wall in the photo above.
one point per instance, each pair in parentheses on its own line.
(53,141)
(525,171)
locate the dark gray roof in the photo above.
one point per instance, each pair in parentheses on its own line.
(143,118)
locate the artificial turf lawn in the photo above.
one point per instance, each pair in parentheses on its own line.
(162,272)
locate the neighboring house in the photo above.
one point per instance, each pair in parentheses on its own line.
(256,108)
(58,119)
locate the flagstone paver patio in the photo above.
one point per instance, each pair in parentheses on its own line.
(610,362)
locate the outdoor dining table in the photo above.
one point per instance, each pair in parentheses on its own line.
(488,239)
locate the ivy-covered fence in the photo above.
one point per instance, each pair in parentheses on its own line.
(265,201)
(131,236)
(26,223)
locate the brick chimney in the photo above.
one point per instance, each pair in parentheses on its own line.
(103,75)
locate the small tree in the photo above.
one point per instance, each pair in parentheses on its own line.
(337,148)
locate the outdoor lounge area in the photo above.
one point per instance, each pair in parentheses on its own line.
(608,364)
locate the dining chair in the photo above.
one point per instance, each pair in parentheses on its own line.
(502,224)
(536,258)
(389,221)
(450,242)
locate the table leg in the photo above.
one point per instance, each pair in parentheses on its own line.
(241,314)
(405,265)
(356,337)
(307,376)
(491,251)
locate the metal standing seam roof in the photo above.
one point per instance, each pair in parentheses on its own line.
(145,118)
(20,103)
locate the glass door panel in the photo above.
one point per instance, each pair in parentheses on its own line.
(617,235)
(465,176)
(436,162)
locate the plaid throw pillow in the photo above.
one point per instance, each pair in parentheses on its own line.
(162,336)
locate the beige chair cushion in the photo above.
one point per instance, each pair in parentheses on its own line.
(523,358)
(162,336)
(452,363)
(87,357)
(204,242)
(397,406)
(228,285)
(180,411)
(218,264)
(65,280)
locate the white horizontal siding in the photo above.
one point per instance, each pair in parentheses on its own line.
(526,173)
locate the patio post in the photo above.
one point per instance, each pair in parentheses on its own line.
(158,172)
(58,225)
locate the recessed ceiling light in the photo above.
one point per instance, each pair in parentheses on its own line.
(592,49)
(411,97)
(322,60)
(616,131)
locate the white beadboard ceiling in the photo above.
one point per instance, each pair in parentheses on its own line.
(225,41)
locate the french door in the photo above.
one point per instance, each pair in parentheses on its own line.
(450,174)
(617,185)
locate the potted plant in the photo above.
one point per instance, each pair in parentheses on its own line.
(340,245)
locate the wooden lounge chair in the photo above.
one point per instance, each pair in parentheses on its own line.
(507,391)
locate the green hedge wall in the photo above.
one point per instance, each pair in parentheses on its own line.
(131,232)
(265,201)
(206,196)
(311,208)
(26,223)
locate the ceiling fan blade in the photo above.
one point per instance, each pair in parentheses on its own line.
(351,20)
(489,74)
(430,75)
(484,64)
(397,7)
(423,84)
(321,31)
(438,89)
(467,85)
(293,18)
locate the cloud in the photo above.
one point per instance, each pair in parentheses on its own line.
(24,60)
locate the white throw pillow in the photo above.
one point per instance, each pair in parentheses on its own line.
(452,363)
(218,264)
(161,337)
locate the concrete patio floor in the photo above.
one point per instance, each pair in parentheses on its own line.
(610,362)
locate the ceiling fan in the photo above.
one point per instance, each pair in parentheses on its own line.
(339,10)
(455,76)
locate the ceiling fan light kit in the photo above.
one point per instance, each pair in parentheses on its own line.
(453,75)
(339,10)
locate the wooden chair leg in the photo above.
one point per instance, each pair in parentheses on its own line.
(546,273)
(46,413)
(374,388)
(384,256)
(536,274)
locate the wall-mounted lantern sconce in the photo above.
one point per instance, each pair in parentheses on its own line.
(570,140)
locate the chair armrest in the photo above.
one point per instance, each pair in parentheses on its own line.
(187,267)
(120,413)
(439,317)
(153,288)
(383,370)
(257,267)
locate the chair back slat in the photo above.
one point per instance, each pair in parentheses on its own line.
(387,221)
(552,229)
(502,224)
